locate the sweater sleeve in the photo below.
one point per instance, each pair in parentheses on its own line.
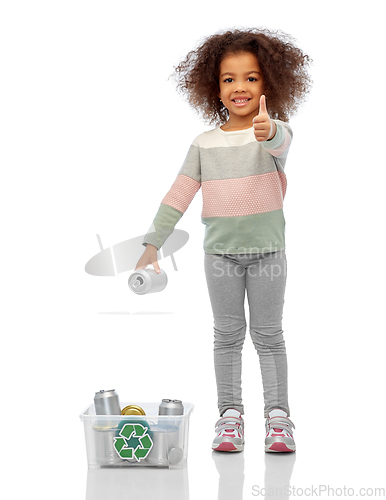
(279,145)
(177,199)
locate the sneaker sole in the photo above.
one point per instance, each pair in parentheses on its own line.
(228,447)
(279,448)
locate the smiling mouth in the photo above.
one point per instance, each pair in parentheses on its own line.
(241,102)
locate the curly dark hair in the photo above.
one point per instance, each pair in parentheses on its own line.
(284,67)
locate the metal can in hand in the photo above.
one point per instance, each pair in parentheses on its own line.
(147,281)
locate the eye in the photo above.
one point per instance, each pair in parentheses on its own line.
(252,79)
(228,80)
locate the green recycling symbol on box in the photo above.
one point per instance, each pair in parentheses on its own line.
(127,445)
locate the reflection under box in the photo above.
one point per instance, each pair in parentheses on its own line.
(137,440)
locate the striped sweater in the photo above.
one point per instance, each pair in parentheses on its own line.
(243,187)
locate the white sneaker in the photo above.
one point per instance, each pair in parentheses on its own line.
(279,436)
(229,432)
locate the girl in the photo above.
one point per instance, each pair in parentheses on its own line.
(246,83)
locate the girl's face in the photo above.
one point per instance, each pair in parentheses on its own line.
(241,86)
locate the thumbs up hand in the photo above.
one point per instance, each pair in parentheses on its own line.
(264,127)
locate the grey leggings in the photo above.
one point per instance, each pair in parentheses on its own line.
(263,276)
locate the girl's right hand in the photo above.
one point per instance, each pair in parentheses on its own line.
(149,256)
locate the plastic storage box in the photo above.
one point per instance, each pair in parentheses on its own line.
(136,440)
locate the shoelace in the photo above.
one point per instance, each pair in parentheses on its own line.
(283,423)
(224,423)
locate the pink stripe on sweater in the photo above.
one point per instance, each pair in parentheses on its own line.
(181,193)
(283,147)
(244,196)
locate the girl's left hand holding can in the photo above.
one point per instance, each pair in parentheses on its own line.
(149,257)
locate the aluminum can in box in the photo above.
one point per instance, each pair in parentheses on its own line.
(107,403)
(171,407)
(104,439)
(165,450)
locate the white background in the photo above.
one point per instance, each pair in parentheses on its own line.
(92,136)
